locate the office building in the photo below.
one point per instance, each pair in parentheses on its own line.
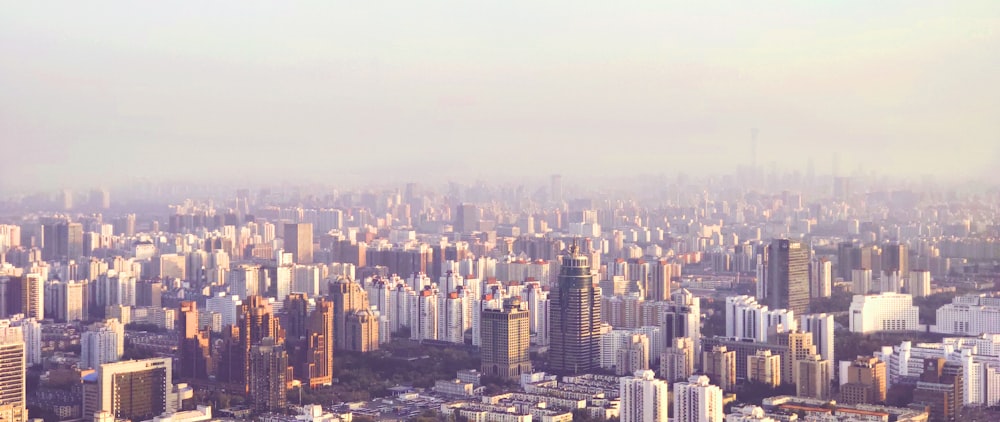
(787,279)
(697,401)
(883,312)
(504,340)
(799,346)
(299,242)
(895,259)
(33,296)
(764,367)
(574,318)
(13,406)
(814,376)
(643,398)
(681,317)
(69,301)
(135,390)
(865,381)
(719,364)
(466,218)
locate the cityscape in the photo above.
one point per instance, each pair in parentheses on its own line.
(208,215)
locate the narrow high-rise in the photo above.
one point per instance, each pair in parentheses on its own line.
(194,344)
(575,318)
(299,242)
(643,398)
(787,280)
(697,401)
(12,367)
(504,340)
(354,326)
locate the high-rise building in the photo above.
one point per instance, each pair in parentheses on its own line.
(13,369)
(319,344)
(266,381)
(697,401)
(354,326)
(575,318)
(103,342)
(681,317)
(815,375)
(69,241)
(677,362)
(800,347)
(299,242)
(504,340)
(820,278)
(919,283)
(68,301)
(765,368)
(33,296)
(466,218)
(895,258)
(940,388)
(643,398)
(194,348)
(256,321)
(866,381)
(135,390)
(719,364)
(821,327)
(634,356)
(787,280)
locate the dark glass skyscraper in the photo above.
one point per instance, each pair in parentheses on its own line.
(787,281)
(575,318)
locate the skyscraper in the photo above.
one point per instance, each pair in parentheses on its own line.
(103,342)
(765,368)
(466,218)
(194,344)
(697,401)
(504,340)
(299,242)
(814,375)
(787,282)
(12,367)
(643,398)
(575,318)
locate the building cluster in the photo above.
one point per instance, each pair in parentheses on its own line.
(254,295)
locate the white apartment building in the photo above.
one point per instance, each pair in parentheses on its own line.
(747,319)
(645,398)
(883,312)
(697,401)
(979,357)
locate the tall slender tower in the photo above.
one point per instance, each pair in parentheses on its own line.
(196,356)
(12,366)
(787,281)
(575,315)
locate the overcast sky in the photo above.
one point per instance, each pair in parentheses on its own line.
(96,93)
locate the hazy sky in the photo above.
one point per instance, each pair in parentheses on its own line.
(103,92)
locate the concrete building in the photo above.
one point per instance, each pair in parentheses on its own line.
(719,364)
(814,377)
(786,284)
(103,342)
(969,315)
(504,342)
(644,398)
(299,242)
(865,381)
(697,401)
(764,367)
(821,327)
(135,390)
(677,362)
(13,367)
(884,312)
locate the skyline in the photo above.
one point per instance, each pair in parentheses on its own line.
(320,92)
